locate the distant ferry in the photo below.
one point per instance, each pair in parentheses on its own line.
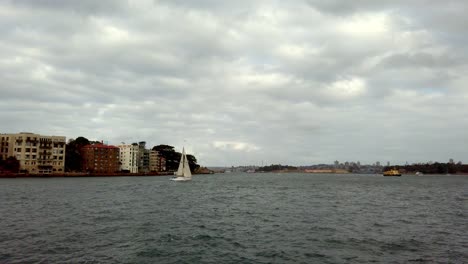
(392,172)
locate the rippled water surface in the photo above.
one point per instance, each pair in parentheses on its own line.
(235,218)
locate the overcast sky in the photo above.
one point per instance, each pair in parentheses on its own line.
(242,82)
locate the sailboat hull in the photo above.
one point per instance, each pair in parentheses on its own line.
(181,179)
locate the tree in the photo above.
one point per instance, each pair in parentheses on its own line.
(173,158)
(192,162)
(164,148)
(74,159)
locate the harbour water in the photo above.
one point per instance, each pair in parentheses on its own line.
(235,218)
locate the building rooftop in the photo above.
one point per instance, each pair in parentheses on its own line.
(100,146)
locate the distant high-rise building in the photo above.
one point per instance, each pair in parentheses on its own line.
(37,154)
(100,158)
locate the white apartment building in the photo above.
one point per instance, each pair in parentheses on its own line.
(37,154)
(129,157)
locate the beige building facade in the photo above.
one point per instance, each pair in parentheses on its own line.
(37,154)
(157,163)
(129,157)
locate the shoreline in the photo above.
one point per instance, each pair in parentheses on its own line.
(153,174)
(71,175)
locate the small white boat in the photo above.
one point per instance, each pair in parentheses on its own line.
(183,172)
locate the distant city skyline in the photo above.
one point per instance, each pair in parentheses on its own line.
(244,83)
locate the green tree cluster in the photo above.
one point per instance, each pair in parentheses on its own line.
(276,167)
(73,160)
(173,158)
(433,168)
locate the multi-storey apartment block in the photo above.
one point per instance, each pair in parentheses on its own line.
(157,162)
(129,157)
(143,157)
(36,153)
(100,158)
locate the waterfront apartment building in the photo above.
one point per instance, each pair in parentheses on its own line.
(157,162)
(129,157)
(37,154)
(100,158)
(143,157)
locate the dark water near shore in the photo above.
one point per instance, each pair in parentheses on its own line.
(235,218)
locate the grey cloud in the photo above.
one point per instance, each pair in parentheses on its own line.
(84,6)
(421,59)
(296,83)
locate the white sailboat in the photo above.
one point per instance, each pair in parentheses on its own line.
(183,172)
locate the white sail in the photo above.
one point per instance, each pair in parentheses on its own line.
(183,172)
(180,170)
(186,169)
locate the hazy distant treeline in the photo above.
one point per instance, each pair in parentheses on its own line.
(433,168)
(276,167)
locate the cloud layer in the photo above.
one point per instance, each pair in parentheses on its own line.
(253,82)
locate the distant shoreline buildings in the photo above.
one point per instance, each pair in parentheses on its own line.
(41,154)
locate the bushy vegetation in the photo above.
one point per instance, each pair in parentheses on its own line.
(173,158)
(433,168)
(73,158)
(276,167)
